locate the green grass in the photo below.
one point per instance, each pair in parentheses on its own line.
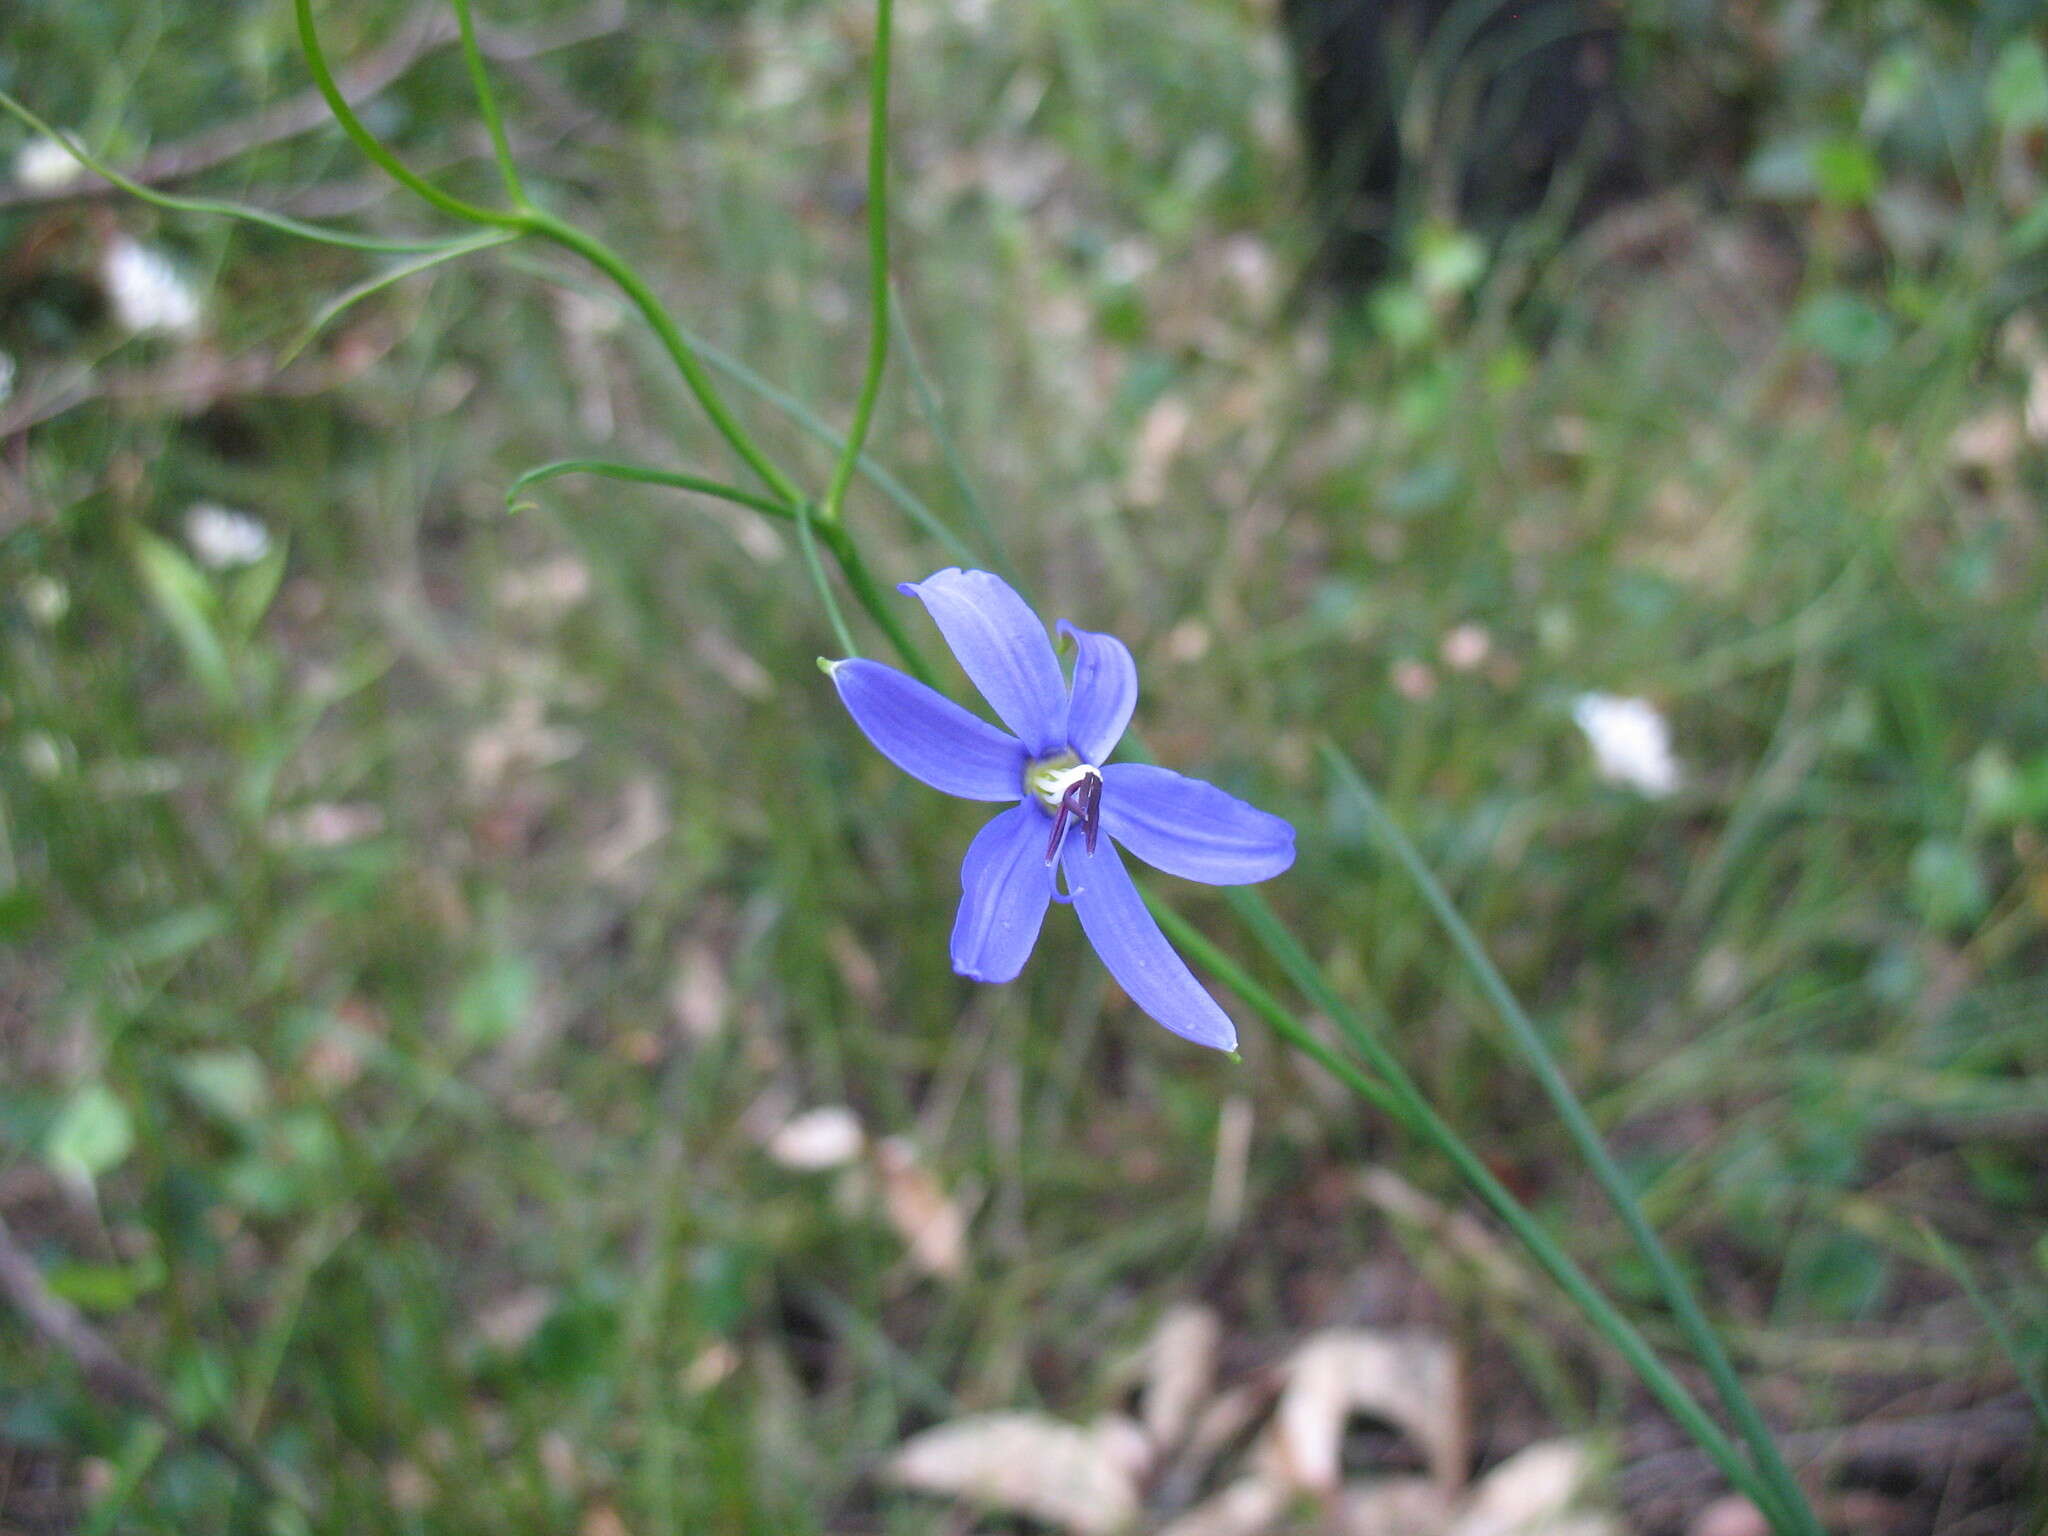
(385,1092)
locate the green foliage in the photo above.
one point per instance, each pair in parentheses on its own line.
(2017,91)
(91,1136)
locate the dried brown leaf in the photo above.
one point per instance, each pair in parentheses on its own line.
(1729,1515)
(1454,1229)
(1233,1159)
(1249,1507)
(931,1225)
(1989,442)
(1408,1379)
(699,997)
(1393,1506)
(1180,1371)
(1083,1480)
(1536,1492)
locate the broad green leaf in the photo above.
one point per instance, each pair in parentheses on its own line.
(171,936)
(1846,329)
(2017,91)
(105,1287)
(493,1000)
(230,1084)
(1401,314)
(1783,168)
(2030,233)
(1946,885)
(1845,172)
(91,1134)
(189,607)
(251,591)
(1448,261)
(20,910)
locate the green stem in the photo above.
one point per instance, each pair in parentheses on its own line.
(642,298)
(569,237)
(335,307)
(1415,1112)
(871,597)
(1706,1343)
(487,105)
(219,207)
(878,269)
(646,474)
(922,516)
(820,583)
(368,143)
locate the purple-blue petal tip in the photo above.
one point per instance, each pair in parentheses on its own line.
(1003,647)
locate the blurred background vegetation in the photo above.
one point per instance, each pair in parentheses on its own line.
(420,921)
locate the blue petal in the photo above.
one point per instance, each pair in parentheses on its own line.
(929,736)
(1105,692)
(1003,648)
(1192,829)
(1127,937)
(1005,884)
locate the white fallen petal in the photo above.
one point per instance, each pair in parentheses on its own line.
(44,165)
(44,598)
(712,1364)
(148,292)
(1466,647)
(328,825)
(1408,1379)
(1631,742)
(1080,1480)
(223,538)
(829,1136)
(510,1323)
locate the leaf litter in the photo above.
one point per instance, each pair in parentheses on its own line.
(1141,1471)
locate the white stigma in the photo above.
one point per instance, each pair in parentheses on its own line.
(1050,778)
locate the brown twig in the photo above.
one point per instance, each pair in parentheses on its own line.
(105,1372)
(195,383)
(63,1325)
(429,28)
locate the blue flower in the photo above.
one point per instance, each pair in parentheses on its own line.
(1051,763)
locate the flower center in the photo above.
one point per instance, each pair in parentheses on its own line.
(1069,789)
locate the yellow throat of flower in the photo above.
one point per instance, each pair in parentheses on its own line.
(1048,779)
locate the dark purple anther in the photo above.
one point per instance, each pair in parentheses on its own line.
(1083,799)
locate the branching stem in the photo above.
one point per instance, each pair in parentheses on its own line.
(878,268)
(487,105)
